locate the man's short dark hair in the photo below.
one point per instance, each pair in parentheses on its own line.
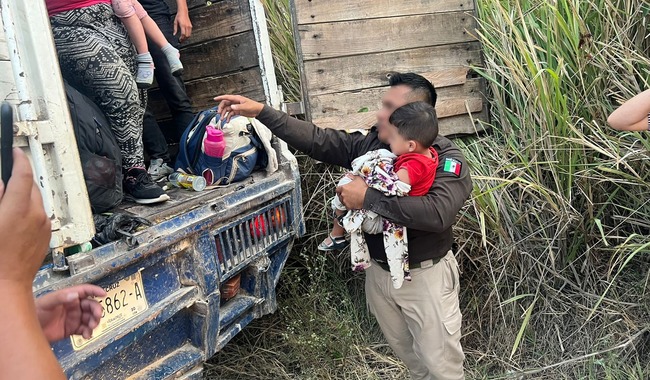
(420,86)
(416,121)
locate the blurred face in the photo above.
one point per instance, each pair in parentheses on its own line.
(394,98)
(398,144)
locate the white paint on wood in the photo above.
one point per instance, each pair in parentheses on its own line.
(42,104)
(267,70)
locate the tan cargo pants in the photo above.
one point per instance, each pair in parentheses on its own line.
(421,320)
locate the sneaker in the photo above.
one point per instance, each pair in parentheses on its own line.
(176,68)
(144,76)
(138,184)
(159,170)
(174,59)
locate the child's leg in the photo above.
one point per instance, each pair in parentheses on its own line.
(153,31)
(335,240)
(144,76)
(339,210)
(171,53)
(136,33)
(337,228)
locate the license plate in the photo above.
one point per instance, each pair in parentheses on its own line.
(124,300)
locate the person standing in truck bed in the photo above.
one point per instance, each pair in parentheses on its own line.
(97,57)
(176,29)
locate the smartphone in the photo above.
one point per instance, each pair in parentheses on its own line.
(6,141)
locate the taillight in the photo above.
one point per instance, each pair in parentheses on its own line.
(258,226)
(278,217)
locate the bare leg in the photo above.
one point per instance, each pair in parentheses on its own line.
(336,239)
(337,229)
(136,33)
(153,31)
(157,36)
(144,76)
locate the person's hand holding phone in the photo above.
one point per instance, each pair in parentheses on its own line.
(24,227)
(7,141)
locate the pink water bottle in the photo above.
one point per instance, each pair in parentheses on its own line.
(214,144)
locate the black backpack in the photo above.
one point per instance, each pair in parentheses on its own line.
(100,155)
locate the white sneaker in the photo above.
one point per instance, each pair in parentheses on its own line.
(158,170)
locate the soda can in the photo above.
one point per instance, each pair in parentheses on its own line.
(188,181)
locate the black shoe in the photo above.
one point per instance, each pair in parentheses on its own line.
(138,184)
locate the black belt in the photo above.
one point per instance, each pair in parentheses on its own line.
(384,265)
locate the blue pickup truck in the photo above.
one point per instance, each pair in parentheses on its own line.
(180,289)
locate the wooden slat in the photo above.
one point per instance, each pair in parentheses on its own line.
(361,120)
(454,125)
(444,108)
(338,39)
(315,11)
(369,70)
(247,83)
(351,102)
(461,125)
(221,19)
(220,56)
(191,4)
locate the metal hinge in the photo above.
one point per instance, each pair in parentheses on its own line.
(293,108)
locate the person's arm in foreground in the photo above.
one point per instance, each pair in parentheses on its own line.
(182,22)
(324,144)
(434,212)
(70,311)
(25,235)
(633,114)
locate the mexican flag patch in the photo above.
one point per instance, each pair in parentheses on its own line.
(452,166)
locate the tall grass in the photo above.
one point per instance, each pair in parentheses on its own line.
(556,257)
(554,240)
(284,48)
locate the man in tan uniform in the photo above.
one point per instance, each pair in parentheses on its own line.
(421,321)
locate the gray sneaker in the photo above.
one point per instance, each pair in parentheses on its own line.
(158,170)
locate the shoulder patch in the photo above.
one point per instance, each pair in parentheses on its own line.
(452,166)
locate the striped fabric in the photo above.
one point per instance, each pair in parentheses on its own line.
(97,57)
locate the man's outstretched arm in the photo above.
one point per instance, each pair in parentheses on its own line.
(324,144)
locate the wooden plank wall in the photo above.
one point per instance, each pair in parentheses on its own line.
(220,57)
(348,48)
